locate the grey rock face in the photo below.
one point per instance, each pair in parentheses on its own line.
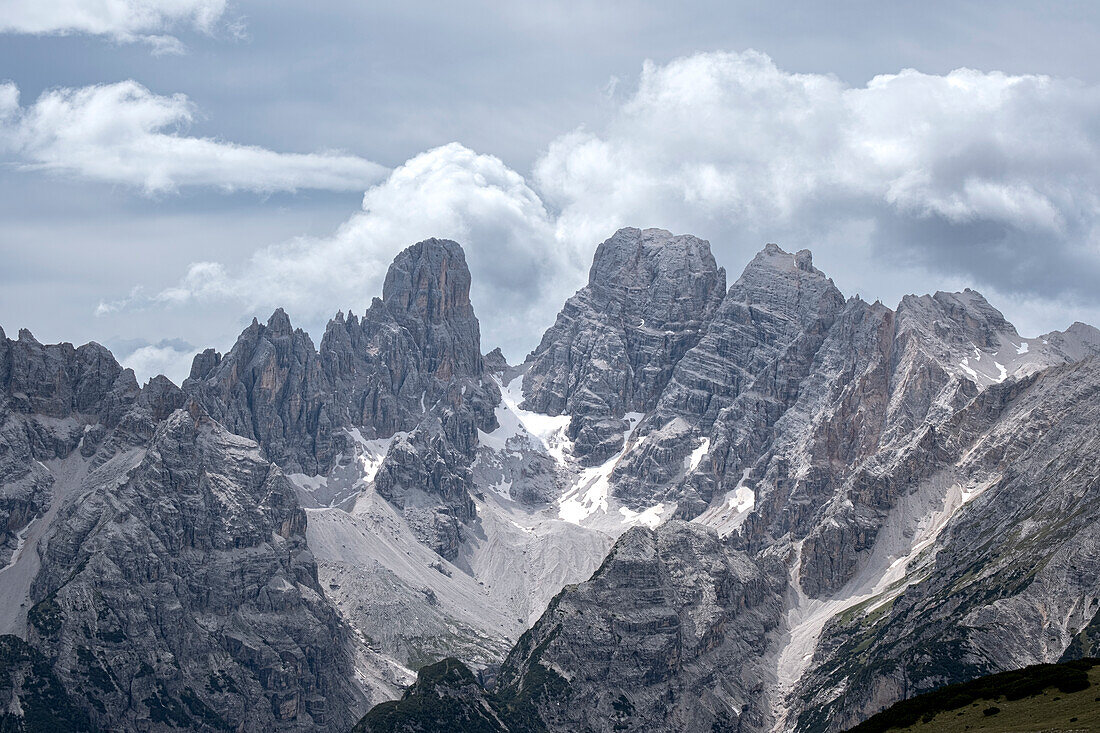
(413,364)
(414,357)
(1077,342)
(59,380)
(1010,582)
(495,363)
(667,635)
(179,591)
(415,350)
(615,343)
(848,424)
(758,347)
(270,388)
(901,498)
(430,482)
(54,399)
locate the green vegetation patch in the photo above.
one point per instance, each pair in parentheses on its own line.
(1024,697)
(46,706)
(45,616)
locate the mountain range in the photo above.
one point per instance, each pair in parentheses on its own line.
(761,506)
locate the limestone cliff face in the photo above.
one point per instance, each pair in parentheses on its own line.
(616,342)
(752,357)
(167,582)
(866,503)
(1011,581)
(179,592)
(836,446)
(668,635)
(411,364)
(54,399)
(270,388)
(416,349)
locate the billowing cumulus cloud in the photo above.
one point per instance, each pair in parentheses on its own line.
(450,192)
(968,178)
(171,357)
(993,175)
(124,21)
(123,133)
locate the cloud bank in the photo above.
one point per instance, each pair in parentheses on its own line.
(987,179)
(123,133)
(952,170)
(123,21)
(448,192)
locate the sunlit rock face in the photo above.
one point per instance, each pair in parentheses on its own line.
(613,347)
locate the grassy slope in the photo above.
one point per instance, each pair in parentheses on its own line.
(1050,709)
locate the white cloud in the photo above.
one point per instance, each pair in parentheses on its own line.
(991,176)
(448,192)
(149,361)
(975,178)
(123,133)
(123,21)
(731,136)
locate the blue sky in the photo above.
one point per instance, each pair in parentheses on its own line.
(172,169)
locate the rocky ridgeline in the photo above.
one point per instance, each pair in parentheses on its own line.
(669,634)
(411,367)
(180,590)
(754,353)
(54,400)
(175,587)
(270,388)
(838,417)
(882,501)
(160,573)
(1014,580)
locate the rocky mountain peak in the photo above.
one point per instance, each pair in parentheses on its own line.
(630,253)
(279,323)
(270,388)
(204,363)
(614,345)
(744,371)
(427,293)
(495,362)
(60,380)
(1077,342)
(966,315)
(411,345)
(430,280)
(774,260)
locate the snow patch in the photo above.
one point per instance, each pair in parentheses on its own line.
(650,517)
(589,492)
(547,432)
(372,452)
(696,456)
(730,513)
(20,542)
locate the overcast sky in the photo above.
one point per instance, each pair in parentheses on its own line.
(172,169)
